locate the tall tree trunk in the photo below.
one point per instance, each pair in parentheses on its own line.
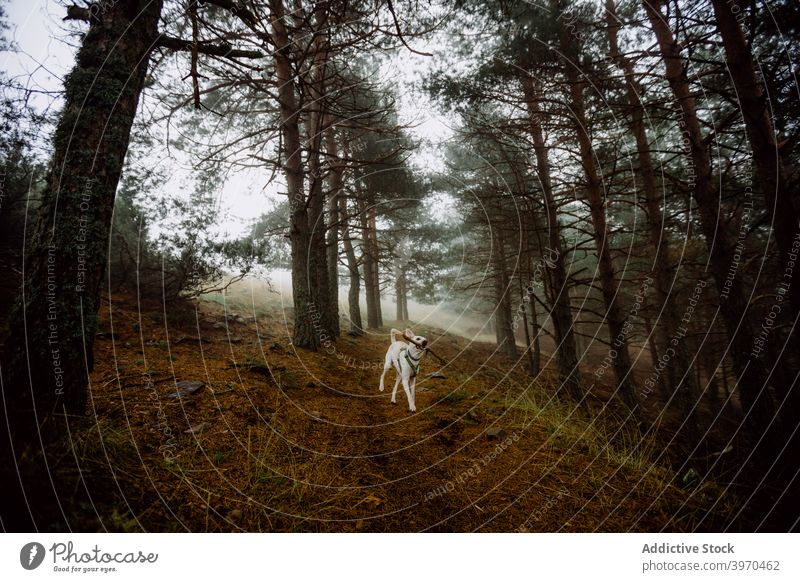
(663,272)
(354,291)
(533,340)
(779,187)
(525,296)
(506,340)
(49,353)
(336,192)
(305,334)
(780,193)
(615,317)
(751,373)
(535,331)
(399,291)
(53,324)
(318,270)
(374,255)
(370,263)
(327,321)
(405,302)
(526,328)
(566,352)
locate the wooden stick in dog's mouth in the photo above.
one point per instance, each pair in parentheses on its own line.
(425,348)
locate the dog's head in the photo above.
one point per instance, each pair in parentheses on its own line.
(418,340)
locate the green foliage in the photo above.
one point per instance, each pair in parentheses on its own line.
(21,177)
(183,257)
(271,234)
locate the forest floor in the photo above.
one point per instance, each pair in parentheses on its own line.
(278,440)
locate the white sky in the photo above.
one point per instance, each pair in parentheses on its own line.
(46,55)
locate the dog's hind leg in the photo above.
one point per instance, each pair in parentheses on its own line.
(386,365)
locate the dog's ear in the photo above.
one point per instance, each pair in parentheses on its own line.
(408,333)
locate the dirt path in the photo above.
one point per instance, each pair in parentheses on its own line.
(281,441)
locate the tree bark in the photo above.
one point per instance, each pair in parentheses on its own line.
(780,194)
(400,294)
(400,290)
(49,352)
(782,201)
(567,357)
(370,258)
(305,334)
(406,317)
(50,348)
(327,322)
(374,255)
(317,269)
(336,192)
(366,260)
(354,291)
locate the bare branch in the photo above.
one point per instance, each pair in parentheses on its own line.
(400,34)
(220,49)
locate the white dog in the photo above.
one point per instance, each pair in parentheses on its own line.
(405,358)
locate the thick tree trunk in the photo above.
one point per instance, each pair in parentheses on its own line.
(318,271)
(780,189)
(53,324)
(750,371)
(305,334)
(327,323)
(49,355)
(780,194)
(563,324)
(615,317)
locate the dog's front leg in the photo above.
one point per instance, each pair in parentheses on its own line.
(411,406)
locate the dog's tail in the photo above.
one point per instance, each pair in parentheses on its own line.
(395,332)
